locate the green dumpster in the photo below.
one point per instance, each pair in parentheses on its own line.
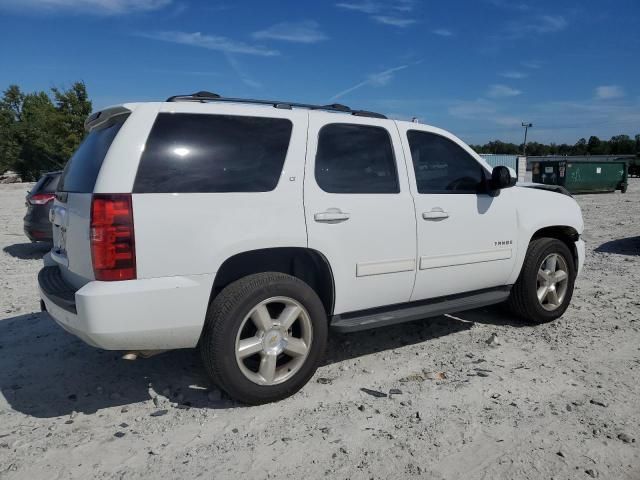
(582,176)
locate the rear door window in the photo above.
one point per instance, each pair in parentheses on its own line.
(81,172)
(213,153)
(355,159)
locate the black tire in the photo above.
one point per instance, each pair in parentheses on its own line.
(224,318)
(523,300)
(623,189)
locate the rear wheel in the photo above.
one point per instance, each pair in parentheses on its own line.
(544,288)
(264,337)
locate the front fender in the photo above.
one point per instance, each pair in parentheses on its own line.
(538,209)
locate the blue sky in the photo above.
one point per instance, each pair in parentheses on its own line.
(477,67)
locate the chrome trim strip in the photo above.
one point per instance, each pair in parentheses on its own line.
(387,266)
(465,258)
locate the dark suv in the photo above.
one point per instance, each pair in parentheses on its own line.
(39,201)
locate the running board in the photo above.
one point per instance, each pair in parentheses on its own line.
(407,312)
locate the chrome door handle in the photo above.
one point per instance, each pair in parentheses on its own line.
(331,215)
(435,214)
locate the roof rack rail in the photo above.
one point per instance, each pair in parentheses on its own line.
(201,96)
(204,96)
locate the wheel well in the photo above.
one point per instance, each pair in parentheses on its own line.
(568,235)
(308,265)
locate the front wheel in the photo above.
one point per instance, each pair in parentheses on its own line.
(264,337)
(544,288)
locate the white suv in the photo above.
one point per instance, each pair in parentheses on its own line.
(251,228)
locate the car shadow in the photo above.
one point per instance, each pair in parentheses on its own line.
(352,345)
(28,251)
(621,246)
(46,372)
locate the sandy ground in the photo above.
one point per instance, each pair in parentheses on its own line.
(560,400)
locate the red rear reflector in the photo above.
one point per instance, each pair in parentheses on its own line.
(41,198)
(38,234)
(112,237)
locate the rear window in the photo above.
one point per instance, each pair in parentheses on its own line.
(49,184)
(81,172)
(188,153)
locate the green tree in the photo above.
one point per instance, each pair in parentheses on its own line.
(35,133)
(10,114)
(618,145)
(580,148)
(39,132)
(622,145)
(594,146)
(72,107)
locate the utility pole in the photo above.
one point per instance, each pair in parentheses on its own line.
(526,126)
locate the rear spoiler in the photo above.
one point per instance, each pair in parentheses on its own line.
(104,117)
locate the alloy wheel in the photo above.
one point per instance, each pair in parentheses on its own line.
(552,282)
(273,341)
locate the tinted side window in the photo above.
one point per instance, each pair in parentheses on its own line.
(442,166)
(81,171)
(213,153)
(355,159)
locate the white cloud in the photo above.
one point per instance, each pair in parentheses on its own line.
(588,117)
(388,12)
(514,75)
(403,5)
(532,64)
(506,121)
(363,6)
(210,42)
(536,25)
(375,80)
(179,71)
(608,92)
(556,121)
(472,110)
(443,32)
(509,4)
(394,21)
(297,32)
(549,24)
(502,91)
(240,71)
(96,7)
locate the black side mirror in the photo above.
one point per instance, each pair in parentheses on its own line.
(501,178)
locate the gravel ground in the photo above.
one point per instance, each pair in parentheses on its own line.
(553,401)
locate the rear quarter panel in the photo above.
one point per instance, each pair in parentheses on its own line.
(194,233)
(120,165)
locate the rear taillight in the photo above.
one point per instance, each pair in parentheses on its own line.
(41,198)
(112,237)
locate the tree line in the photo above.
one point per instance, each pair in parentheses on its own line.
(39,132)
(617,145)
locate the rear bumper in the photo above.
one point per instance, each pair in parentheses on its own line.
(38,231)
(146,314)
(37,226)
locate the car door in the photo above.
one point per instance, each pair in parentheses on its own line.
(359,209)
(466,237)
